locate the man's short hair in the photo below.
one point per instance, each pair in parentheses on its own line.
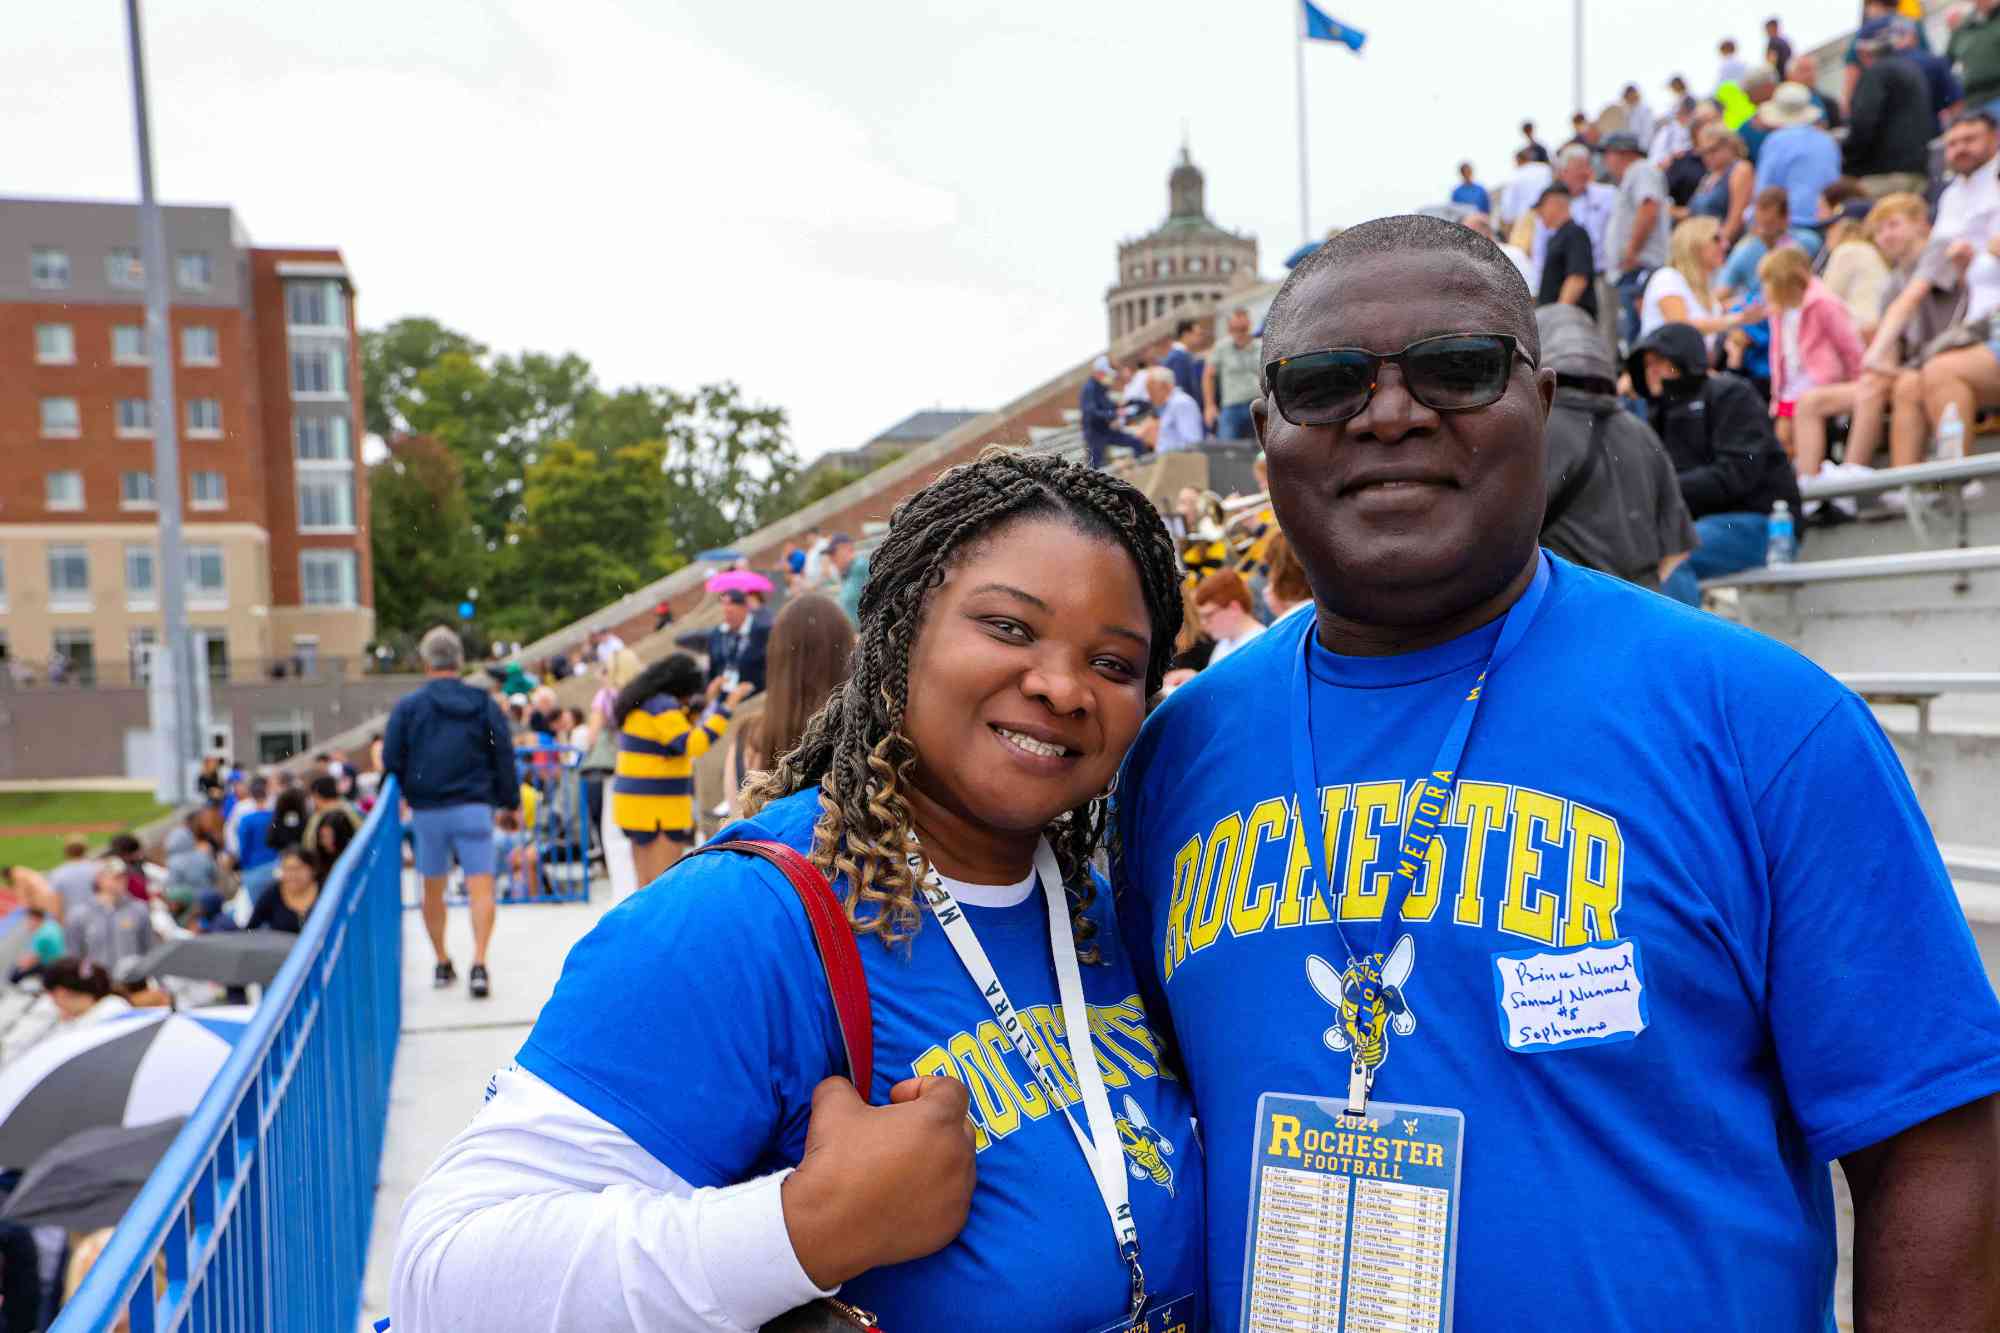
(1242,310)
(260,787)
(1763,76)
(1983,116)
(441,649)
(1160,375)
(1573,154)
(75,846)
(1221,587)
(1412,233)
(326,787)
(1773,198)
(1555,191)
(1184,327)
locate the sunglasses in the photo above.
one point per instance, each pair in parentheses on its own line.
(1456,372)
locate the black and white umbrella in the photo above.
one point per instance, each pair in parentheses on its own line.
(135,1069)
(88,1180)
(228,958)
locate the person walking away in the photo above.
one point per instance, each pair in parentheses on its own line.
(1470,192)
(1531,176)
(1890,122)
(1947,94)
(1718,432)
(1097,408)
(1016,623)
(652,797)
(1799,157)
(1536,769)
(812,655)
(1813,342)
(1614,503)
(452,754)
(1639,119)
(1228,615)
(1229,382)
(1637,237)
(1532,146)
(1569,272)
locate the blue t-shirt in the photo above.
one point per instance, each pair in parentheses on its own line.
(252,840)
(714,1076)
(1473,195)
(1637,771)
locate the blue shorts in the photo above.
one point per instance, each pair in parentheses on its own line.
(453,832)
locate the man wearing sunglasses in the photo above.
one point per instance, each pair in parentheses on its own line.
(1532,866)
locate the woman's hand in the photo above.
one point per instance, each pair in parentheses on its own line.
(879,1184)
(736,696)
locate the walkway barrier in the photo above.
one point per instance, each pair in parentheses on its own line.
(258,1216)
(543,850)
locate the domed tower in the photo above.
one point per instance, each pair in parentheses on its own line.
(1186,260)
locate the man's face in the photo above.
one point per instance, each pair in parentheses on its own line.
(1554,211)
(1576,175)
(1898,237)
(1804,69)
(1221,620)
(1618,162)
(1659,370)
(1770,224)
(734,614)
(841,556)
(1403,515)
(1968,146)
(1239,330)
(1159,388)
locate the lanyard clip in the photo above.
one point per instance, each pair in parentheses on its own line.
(1359,1081)
(1131,1253)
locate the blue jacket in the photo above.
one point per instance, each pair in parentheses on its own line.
(732,650)
(1100,414)
(1187,371)
(449,744)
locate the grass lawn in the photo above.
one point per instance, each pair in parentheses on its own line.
(32,824)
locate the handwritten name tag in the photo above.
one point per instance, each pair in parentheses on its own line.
(1589,995)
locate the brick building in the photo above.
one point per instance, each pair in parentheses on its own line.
(1186,260)
(266,384)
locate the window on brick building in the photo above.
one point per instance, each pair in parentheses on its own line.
(48,268)
(142,590)
(327,578)
(318,369)
(194,270)
(69,578)
(59,418)
(326,500)
(78,652)
(204,417)
(323,439)
(123,269)
(206,585)
(63,490)
(135,416)
(207,490)
(128,344)
(55,344)
(315,304)
(135,490)
(199,346)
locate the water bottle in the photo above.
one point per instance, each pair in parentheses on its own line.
(1950,434)
(1781,544)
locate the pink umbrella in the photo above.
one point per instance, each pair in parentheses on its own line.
(740,580)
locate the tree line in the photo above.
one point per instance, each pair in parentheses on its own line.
(519,483)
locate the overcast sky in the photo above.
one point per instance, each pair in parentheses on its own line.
(853,211)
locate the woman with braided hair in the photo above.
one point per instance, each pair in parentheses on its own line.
(677,1147)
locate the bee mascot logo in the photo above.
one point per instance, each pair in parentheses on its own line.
(1146,1146)
(1369,999)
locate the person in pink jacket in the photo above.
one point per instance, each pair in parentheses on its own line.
(1813,345)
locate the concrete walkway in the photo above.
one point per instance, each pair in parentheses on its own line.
(452,1043)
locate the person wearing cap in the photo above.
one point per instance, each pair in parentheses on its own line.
(1232,379)
(1890,121)
(1639,119)
(1614,503)
(1906,40)
(1799,156)
(1637,237)
(1099,410)
(1569,270)
(736,648)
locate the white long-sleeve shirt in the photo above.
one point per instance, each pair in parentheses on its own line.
(541,1216)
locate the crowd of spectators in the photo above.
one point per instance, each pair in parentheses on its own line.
(1820,263)
(1174,394)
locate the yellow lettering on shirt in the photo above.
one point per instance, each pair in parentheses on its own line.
(1249,910)
(1593,900)
(1000,1116)
(938,1064)
(1298,860)
(1482,808)
(1218,867)
(1186,863)
(1027,1095)
(1377,807)
(1526,909)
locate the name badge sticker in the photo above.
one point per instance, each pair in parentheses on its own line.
(1552,999)
(1353,1219)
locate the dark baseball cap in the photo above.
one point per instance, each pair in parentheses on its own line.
(1621,142)
(735,599)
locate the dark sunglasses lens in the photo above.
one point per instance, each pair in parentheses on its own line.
(1461,371)
(1324,387)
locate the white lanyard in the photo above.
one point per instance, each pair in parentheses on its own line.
(1101,1148)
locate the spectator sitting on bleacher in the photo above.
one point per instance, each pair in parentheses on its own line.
(1098,408)
(1222,601)
(1718,434)
(1176,420)
(1613,501)
(113,926)
(76,992)
(1813,341)
(331,826)
(72,880)
(1927,299)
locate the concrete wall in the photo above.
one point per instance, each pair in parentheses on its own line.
(81,733)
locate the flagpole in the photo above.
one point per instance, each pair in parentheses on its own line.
(1299,54)
(1576,56)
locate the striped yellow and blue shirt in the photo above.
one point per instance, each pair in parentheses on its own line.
(653,789)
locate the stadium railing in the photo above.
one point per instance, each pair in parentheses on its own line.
(258,1216)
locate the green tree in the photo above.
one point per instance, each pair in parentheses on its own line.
(730,464)
(391,359)
(426,554)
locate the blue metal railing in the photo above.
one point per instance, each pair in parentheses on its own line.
(258,1216)
(543,850)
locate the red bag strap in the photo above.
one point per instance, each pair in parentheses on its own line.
(845,979)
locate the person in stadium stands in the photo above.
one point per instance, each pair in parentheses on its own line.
(1176,421)
(452,753)
(287,901)
(1192,646)
(73,879)
(1799,157)
(1730,67)
(331,826)
(1287,591)
(1533,146)
(1974,51)
(1890,122)
(191,871)
(1639,798)
(1637,237)
(1229,379)
(1470,192)
(1613,502)
(737,647)
(1569,270)
(1777,51)
(850,572)
(1019,616)
(1591,204)
(113,926)
(1759,86)
(1097,406)
(1228,615)
(660,737)
(1482,224)
(1804,70)
(1726,191)
(1947,95)
(812,654)
(1850,263)
(1681,291)
(1531,176)
(1813,341)
(76,993)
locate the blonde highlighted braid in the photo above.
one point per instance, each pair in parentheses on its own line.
(854,748)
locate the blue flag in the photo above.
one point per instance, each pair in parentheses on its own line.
(1323,27)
